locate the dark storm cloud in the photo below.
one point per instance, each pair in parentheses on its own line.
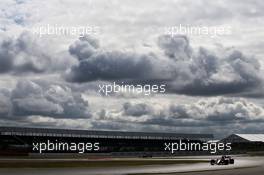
(136,109)
(219,110)
(23,54)
(6,56)
(95,64)
(56,101)
(84,47)
(108,125)
(210,74)
(209,115)
(111,66)
(4,102)
(26,54)
(175,48)
(215,111)
(182,69)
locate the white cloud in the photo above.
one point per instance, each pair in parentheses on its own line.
(129,30)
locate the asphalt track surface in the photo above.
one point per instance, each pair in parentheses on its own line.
(242,166)
(242,171)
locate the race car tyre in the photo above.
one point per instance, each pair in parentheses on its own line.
(212,162)
(226,162)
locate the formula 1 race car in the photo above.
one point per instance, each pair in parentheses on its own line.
(224,160)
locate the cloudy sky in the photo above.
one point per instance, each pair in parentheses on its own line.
(214,84)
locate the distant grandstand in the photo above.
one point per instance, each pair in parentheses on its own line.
(243,143)
(240,138)
(18,140)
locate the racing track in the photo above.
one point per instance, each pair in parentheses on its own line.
(242,165)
